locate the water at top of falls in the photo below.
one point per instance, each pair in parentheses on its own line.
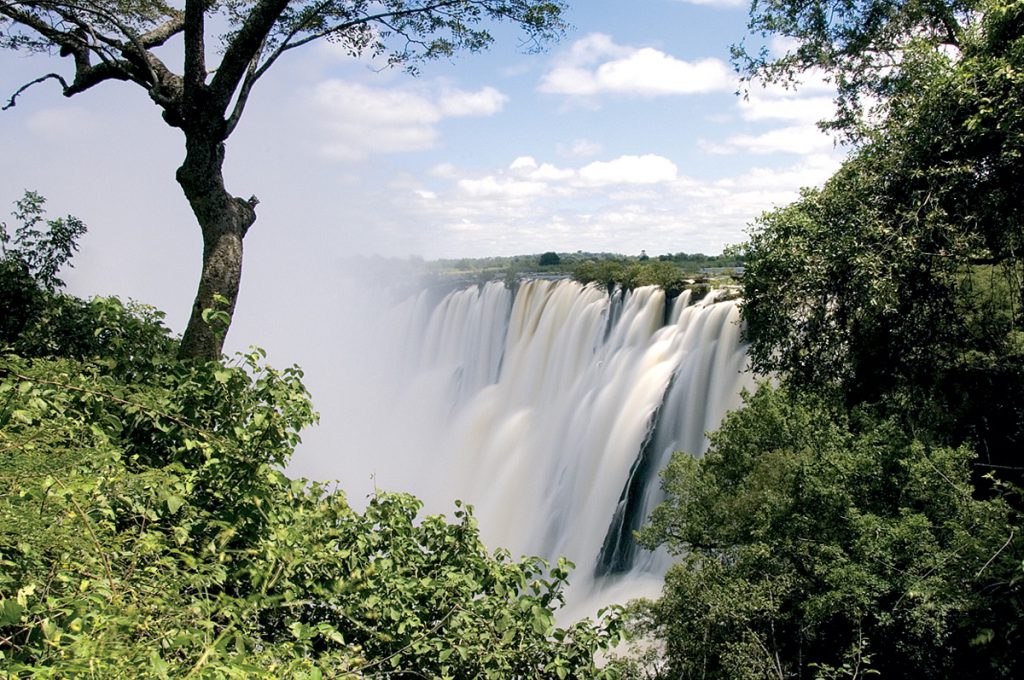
(550,409)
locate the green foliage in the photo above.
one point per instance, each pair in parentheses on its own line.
(860,45)
(146,530)
(609,273)
(30,259)
(810,544)
(41,321)
(39,246)
(902,278)
(549,258)
(842,524)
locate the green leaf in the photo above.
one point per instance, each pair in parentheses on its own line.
(10,612)
(174,503)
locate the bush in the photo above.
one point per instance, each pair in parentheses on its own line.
(146,529)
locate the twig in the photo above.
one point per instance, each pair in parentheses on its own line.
(992,559)
(95,539)
(11,103)
(433,630)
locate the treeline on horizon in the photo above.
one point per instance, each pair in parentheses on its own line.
(568,262)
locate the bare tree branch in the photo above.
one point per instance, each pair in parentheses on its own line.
(12,102)
(381,17)
(251,76)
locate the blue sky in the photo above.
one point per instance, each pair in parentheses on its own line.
(626,135)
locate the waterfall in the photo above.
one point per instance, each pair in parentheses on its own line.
(550,409)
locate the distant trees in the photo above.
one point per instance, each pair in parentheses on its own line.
(117,41)
(549,258)
(672,278)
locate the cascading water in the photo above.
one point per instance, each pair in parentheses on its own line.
(551,410)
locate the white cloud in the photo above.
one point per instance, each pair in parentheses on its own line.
(646,169)
(523,162)
(809,101)
(800,108)
(810,171)
(580,148)
(596,65)
(443,170)
(622,205)
(798,139)
(359,120)
(594,47)
(485,102)
(493,187)
(792,108)
(526,166)
(649,71)
(781,45)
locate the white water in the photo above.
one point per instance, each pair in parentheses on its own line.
(535,407)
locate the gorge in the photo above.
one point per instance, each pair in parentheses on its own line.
(549,406)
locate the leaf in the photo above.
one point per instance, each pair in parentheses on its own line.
(174,503)
(158,665)
(10,612)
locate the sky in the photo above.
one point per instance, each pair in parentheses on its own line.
(626,135)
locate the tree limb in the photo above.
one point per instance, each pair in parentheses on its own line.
(240,52)
(12,102)
(161,34)
(195,45)
(251,76)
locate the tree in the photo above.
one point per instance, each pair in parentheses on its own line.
(810,540)
(549,258)
(109,40)
(858,44)
(30,257)
(902,278)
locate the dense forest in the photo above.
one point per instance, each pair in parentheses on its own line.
(861,515)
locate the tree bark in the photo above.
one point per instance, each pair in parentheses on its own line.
(224,220)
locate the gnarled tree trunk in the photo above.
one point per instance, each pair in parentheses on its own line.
(224,220)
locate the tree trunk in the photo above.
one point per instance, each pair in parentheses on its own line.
(224,220)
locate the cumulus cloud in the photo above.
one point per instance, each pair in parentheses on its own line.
(798,108)
(358,120)
(596,65)
(526,166)
(525,178)
(485,102)
(646,169)
(495,187)
(623,205)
